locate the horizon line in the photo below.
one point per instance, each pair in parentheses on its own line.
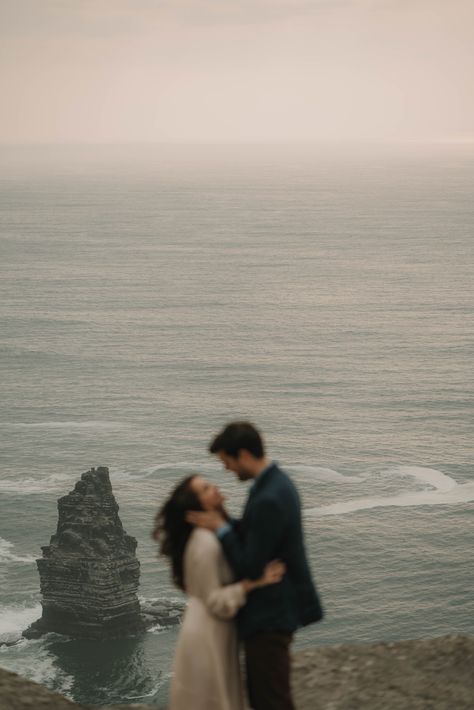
(315,142)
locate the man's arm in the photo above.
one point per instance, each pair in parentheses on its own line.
(248,555)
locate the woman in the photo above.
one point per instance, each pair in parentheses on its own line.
(206,671)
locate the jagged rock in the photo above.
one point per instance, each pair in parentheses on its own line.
(163,612)
(89,572)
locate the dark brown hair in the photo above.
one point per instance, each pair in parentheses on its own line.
(171,529)
(236,436)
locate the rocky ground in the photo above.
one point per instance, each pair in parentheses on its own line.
(435,674)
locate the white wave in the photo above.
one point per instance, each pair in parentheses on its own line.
(167,599)
(44,670)
(198,466)
(320,473)
(54,483)
(444,491)
(439,481)
(16,618)
(6,554)
(156,629)
(63,483)
(147,695)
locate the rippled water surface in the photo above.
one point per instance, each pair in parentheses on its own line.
(149,295)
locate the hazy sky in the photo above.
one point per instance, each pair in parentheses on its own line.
(236,70)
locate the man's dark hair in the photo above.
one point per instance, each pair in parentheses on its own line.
(236,436)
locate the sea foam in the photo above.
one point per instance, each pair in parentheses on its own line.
(320,473)
(176,465)
(7,554)
(443,490)
(16,618)
(32,486)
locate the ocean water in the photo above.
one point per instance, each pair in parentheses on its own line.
(149,294)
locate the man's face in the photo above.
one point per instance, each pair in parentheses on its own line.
(237,464)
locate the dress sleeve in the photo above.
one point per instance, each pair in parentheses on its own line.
(203,576)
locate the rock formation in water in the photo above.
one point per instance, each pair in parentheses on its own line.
(89,572)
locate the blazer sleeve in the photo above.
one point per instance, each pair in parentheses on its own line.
(249,554)
(203,578)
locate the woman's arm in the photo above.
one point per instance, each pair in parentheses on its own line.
(227,600)
(202,576)
(272,574)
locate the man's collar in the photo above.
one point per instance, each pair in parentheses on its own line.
(262,473)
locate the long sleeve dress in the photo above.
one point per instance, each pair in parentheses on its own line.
(206,671)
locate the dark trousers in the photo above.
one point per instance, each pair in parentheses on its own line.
(267,663)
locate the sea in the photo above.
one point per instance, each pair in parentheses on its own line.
(150,294)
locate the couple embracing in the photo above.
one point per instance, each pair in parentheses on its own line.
(246,579)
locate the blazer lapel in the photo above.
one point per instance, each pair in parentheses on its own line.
(257,485)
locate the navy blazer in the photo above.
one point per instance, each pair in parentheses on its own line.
(271,529)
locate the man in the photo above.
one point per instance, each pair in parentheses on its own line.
(269,529)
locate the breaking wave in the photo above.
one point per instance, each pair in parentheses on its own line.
(443,490)
(16,618)
(57,482)
(319,473)
(7,554)
(150,470)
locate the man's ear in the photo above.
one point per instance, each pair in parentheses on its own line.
(243,456)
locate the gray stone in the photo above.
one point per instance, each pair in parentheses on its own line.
(404,675)
(89,573)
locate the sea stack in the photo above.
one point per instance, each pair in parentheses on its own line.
(89,572)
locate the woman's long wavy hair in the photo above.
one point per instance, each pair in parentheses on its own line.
(171,529)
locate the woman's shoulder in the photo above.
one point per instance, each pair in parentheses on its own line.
(202,539)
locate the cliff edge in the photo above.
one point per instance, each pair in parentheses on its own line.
(433,674)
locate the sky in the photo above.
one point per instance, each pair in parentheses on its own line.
(236,70)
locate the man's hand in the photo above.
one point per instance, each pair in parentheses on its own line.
(209,519)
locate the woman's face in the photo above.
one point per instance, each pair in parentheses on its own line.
(208,494)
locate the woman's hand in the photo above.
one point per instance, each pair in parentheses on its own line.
(272,574)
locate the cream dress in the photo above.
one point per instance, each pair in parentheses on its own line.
(206,671)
